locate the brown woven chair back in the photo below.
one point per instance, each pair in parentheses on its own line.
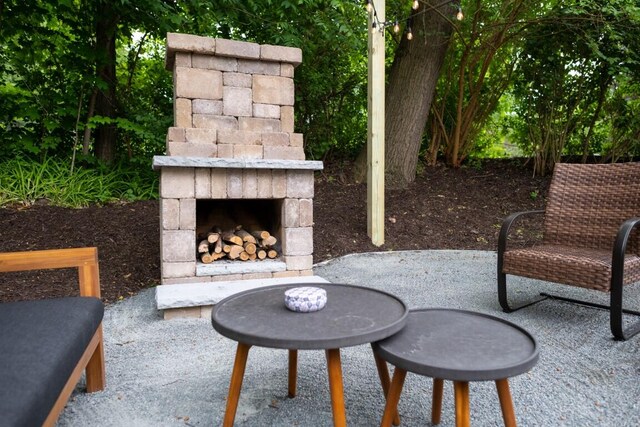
(587,204)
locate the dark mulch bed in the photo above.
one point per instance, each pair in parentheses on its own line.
(443,209)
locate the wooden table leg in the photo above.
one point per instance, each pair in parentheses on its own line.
(393,397)
(436,403)
(383,373)
(236,383)
(463,417)
(336,387)
(506,403)
(293,372)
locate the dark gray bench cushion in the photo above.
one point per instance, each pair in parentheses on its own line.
(41,342)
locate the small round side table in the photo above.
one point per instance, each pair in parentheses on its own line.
(456,345)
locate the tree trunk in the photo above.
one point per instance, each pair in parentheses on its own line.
(106,28)
(410,88)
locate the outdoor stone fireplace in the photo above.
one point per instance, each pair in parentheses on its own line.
(232,157)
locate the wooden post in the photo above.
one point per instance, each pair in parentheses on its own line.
(375,127)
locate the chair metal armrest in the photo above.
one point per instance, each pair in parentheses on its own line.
(617,281)
(506,226)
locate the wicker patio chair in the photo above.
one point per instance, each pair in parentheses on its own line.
(590,238)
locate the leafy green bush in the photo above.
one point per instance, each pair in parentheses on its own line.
(25,182)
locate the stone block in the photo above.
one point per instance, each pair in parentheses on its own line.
(292,55)
(234,183)
(210,62)
(197,83)
(279,184)
(249,184)
(306,212)
(177,183)
(286,119)
(206,106)
(200,135)
(259,67)
(225,151)
(283,153)
(266,111)
(178,246)
(280,139)
(297,140)
(237,101)
(257,124)
(304,262)
(257,276)
(205,311)
(182,113)
(273,90)
(226,277)
(287,70)
(281,274)
(248,152)
(300,184)
(218,183)
(172,270)
(265,190)
(183,59)
(190,149)
(305,273)
(188,214)
(237,49)
(186,280)
(190,43)
(291,213)
(209,121)
(170,214)
(239,137)
(297,241)
(237,80)
(182,313)
(203,183)
(176,135)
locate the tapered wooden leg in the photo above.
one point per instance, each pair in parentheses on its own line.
(506,403)
(393,397)
(463,417)
(236,383)
(336,387)
(383,373)
(436,404)
(293,372)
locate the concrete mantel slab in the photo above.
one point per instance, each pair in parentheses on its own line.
(229,163)
(209,293)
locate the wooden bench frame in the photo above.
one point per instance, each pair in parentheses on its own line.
(86,261)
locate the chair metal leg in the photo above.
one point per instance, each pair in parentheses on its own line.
(502,296)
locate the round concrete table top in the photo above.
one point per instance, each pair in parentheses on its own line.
(459,345)
(353,315)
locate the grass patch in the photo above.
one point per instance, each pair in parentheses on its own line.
(25,182)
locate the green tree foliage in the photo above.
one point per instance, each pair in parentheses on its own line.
(568,64)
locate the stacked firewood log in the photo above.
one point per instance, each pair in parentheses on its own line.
(237,244)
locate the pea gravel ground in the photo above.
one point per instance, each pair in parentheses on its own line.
(173,373)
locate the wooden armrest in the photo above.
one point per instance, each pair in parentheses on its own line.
(84,259)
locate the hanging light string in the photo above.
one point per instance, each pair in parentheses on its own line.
(378,25)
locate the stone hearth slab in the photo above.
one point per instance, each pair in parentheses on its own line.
(209,293)
(227,163)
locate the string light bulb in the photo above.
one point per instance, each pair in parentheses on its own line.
(396,27)
(369,6)
(374,27)
(415,5)
(459,15)
(409,34)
